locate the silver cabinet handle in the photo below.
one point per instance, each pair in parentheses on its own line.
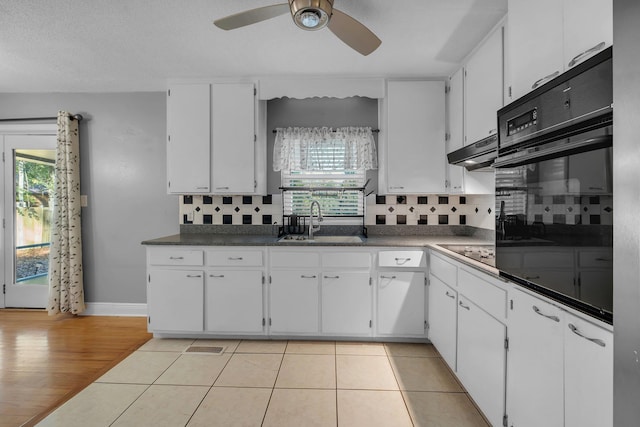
(466,307)
(331,277)
(388,277)
(202,188)
(402,260)
(222,188)
(596,188)
(216,275)
(604,259)
(449,295)
(593,340)
(396,188)
(548,316)
(589,51)
(302,276)
(235,258)
(194,275)
(545,79)
(176,257)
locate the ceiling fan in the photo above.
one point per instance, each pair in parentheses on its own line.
(310,15)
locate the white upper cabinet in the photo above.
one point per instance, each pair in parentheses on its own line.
(233,138)
(548,37)
(483,89)
(188,139)
(455,110)
(413,146)
(216,142)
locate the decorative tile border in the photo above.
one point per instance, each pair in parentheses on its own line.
(471,210)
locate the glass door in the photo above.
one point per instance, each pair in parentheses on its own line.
(29,163)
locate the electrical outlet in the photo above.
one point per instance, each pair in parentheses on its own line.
(83,201)
(190,216)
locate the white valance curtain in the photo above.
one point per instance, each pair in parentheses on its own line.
(346,148)
(66,289)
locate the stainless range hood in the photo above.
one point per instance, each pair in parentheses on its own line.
(477,156)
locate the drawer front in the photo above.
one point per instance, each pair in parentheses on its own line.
(595,258)
(443,270)
(403,259)
(235,258)
(175,257)
(346,259)
(295,259)
(483,293)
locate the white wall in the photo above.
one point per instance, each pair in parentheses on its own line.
(123,172)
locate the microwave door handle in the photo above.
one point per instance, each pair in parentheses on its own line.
(587,52)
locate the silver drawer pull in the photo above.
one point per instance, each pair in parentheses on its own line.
(217,276)
(463,306)
(176,257)
(202,188)
(194,275)
(388,277)
(222,188)
(593,340)
(589,51)
(396,188)
(548,316)
(308,277)
(331,277)
(449,295)
(402,260)
(235,258)
(545,79)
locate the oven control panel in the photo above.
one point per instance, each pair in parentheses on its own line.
(522,122)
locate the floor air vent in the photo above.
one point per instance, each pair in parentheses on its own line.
(204,350)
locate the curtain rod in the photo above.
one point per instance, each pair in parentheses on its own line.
(77,117)
(372,130)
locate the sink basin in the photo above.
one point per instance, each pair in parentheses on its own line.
(321,239)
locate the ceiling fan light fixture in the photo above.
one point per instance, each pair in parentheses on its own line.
(311,14)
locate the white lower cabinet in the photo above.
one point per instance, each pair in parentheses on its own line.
(401,303)
(346,303)
(233,301)
(174,300)
(481,361)
(443,319)
(294,302)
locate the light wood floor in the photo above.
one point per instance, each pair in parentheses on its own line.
(45,360)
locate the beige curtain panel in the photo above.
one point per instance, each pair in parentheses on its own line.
(66,289)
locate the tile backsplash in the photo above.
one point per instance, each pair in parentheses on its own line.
(471,210)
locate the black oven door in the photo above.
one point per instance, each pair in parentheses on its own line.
(554,229)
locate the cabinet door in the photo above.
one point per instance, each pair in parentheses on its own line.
(294,301)
(587,24)
(174,300)
(483,89)
(232,138)
(535,363)
(233,301)
(415,148)
(455,108)
(482,358)
(346,303)
(588,374)
(188,139)
(442,319)
(534,43)
(401,304)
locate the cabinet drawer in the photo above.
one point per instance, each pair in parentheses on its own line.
(443,270)
(595,259)
(175,257)
(483,293)
(405,259)
(234,258)
(295,259)
(549,258)
(346,259)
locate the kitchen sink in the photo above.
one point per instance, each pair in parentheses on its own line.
(320,239)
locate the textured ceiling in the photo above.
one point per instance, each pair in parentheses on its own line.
(136,45)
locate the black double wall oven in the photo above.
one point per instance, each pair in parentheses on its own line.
(554,190)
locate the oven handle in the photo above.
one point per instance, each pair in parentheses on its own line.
(551,152)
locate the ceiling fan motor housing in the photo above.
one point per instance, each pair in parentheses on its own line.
(311,14)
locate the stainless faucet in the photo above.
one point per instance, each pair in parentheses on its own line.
(313,228)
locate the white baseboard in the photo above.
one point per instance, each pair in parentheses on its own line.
(115,309)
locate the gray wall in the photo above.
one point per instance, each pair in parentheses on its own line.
(123,172)
(626,231)
(318,112)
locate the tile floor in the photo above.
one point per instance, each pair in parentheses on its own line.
(274,383)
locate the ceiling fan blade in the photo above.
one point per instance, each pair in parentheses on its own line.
(252,16)
(353,33)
